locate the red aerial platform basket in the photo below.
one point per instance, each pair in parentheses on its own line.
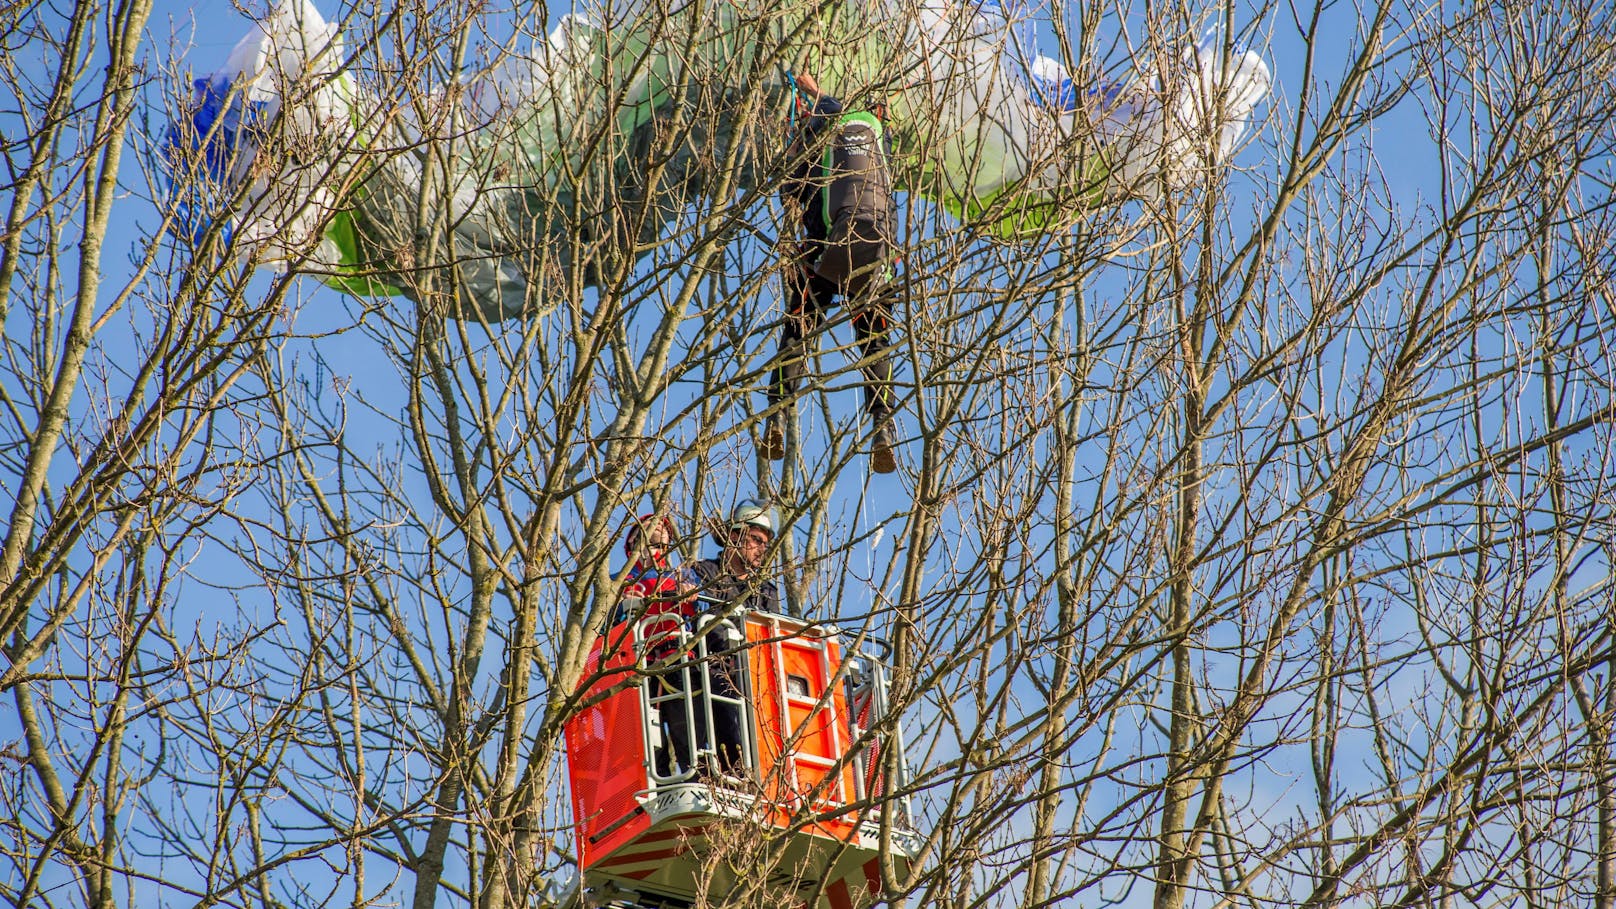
(757,727)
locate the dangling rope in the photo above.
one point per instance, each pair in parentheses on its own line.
(791,81)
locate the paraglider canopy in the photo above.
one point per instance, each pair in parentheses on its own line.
(542,150)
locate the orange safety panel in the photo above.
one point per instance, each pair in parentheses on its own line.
(606,751)
(801,733)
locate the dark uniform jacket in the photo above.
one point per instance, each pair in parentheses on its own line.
(714,583)
(807,180)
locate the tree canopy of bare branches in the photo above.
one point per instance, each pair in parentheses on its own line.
(1251,545)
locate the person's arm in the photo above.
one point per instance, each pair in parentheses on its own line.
(807,178)
(797,188)
(692,579)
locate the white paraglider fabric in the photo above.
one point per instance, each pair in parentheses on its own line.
(1171,132)
(242,130)
(1003,117)
(974,100)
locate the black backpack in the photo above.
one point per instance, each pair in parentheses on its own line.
(857,198)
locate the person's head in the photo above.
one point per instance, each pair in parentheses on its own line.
(749,533)
(648,538)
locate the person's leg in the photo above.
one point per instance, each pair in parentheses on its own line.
(675,732)
(676,753)
(806,297)
(872,325)
(728,724)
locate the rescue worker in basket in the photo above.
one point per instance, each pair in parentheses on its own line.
(841,191)
(651,596)
(712,594)
(652,584)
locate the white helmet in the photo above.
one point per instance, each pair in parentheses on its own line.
(751,513)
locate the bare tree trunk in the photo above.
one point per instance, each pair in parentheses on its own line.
(1065,453)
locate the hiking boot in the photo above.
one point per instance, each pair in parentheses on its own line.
(773,445)
(883,454)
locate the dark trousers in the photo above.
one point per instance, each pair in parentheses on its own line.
(727,720)
(808,296)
